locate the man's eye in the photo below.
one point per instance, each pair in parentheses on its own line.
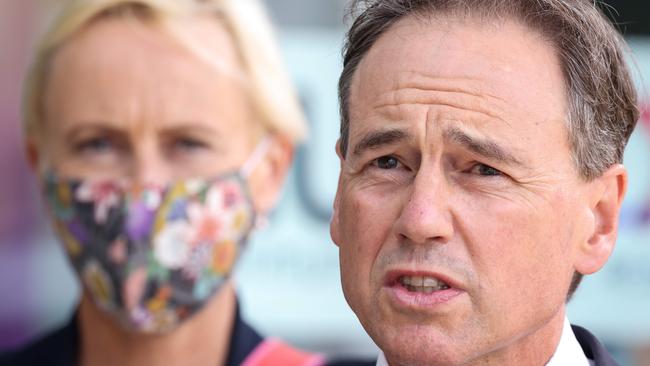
(485,170)
(386,162)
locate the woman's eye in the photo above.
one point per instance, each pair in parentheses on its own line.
(96,145)
(188,144)
(386,162)
(485,170)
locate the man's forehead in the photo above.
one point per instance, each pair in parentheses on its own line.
(505,60)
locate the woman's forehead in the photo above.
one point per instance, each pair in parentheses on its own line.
(124,72)
(204,37)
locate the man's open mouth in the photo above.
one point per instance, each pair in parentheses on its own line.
(422,284)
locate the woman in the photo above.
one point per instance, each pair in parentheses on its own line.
(161,131)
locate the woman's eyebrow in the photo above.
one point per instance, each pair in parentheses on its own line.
(72,132)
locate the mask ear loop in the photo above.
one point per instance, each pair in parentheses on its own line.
(256,157)
(261,221)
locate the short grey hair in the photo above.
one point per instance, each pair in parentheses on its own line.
(602,99)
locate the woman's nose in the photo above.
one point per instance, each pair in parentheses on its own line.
(149,165)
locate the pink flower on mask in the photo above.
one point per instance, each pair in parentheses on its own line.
(117,251)
(207,219)
(104,195)
(134,287)
(232,194)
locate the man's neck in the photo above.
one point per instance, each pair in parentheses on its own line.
(201,340)
(535,348)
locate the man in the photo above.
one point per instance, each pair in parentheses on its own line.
(481,149)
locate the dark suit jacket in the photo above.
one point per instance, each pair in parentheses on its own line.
(592,348)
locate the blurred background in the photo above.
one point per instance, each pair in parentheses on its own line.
(289,283)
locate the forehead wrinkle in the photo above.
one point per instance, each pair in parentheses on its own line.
(462,93)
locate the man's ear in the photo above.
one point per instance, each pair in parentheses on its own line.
(267,178)
(339,153)
(607,197)
(335,225)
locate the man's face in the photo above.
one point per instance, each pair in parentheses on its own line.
(459,211)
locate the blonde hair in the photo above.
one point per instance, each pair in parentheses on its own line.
(271,92)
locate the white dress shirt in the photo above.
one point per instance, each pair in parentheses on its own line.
(567,353)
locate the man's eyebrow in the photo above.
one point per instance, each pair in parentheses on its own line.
(484,147)
(376,139)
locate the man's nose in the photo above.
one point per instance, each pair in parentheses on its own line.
(426,216)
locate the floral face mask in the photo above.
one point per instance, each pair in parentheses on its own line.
(151,256)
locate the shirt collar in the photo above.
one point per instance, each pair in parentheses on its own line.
(381,360)
(568,351)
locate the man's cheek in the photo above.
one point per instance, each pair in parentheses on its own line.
(365,229)
(370,221)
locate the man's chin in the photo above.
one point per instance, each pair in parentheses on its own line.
(418,345)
